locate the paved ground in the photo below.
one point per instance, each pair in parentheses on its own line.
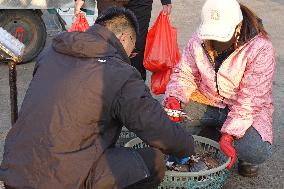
(186,18)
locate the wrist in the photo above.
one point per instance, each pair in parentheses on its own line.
(173,97)
(227,137)
(79,4)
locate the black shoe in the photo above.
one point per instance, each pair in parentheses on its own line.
(247,169)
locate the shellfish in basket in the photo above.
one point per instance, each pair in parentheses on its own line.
(198,162)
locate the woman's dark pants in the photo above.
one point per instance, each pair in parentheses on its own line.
(207,121)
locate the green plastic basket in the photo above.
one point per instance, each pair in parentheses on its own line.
(125,136)
(209,179)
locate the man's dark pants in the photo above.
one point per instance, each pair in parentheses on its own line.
(111,169)
(109,174)
(142,10)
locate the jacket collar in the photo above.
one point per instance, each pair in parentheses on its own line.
(110,37)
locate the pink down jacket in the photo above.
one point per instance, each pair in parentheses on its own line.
(243,83)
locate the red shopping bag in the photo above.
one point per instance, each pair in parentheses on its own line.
(159,81)
(161,51)
(80,25)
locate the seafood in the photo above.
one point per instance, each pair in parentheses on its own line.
(197,163)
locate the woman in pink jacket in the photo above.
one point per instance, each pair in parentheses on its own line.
(224,83)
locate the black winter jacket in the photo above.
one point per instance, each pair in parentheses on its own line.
(83,91)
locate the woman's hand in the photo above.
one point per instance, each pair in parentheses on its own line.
(226,145)
(173,108)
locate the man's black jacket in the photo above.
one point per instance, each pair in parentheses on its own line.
(82,93)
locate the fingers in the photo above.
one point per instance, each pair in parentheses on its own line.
(132,55)
(77,12)
(229,151)
(78,6)
(174,119)
(232,154)
(233,160)
(174,115)
(167,9)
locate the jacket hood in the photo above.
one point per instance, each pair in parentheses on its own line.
(96,42)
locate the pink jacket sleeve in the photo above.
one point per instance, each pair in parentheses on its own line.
(254,92)
(183,80)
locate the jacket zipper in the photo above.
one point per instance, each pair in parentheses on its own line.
(212,63)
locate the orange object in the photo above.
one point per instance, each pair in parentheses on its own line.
(173,109)
(161,51)
(80,25)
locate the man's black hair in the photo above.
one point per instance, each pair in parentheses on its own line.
(116,12)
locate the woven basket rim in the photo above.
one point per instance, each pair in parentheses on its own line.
(200,139)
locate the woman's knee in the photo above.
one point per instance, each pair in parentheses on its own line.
(254,155)
(252,149)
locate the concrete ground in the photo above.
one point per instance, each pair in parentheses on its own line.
(185,17)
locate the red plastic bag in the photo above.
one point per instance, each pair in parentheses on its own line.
(80,25)
(161,51)
(159,81)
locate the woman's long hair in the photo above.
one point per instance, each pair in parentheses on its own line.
(251,26)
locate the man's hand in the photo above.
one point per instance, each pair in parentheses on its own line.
(167,8)
(180,161)
(78,6)
(226,145)
(173,108)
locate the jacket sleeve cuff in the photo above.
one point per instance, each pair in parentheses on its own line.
(236,127)
(166,2)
